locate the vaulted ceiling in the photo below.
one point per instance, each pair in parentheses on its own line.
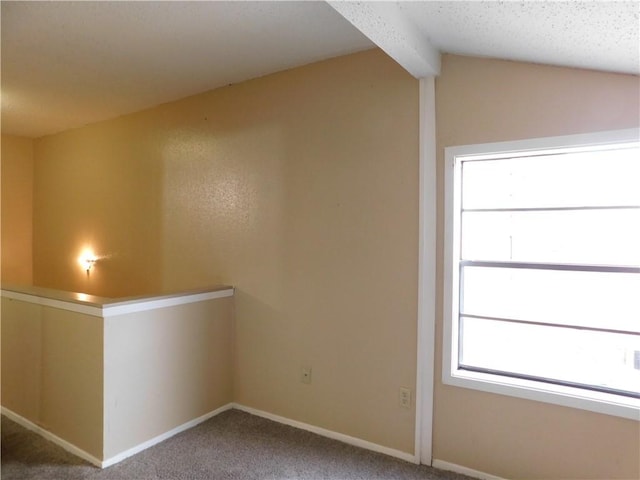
(68,64)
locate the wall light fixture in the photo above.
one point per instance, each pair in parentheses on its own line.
(87,260)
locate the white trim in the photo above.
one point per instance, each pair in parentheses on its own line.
(69,447)
(357,442)
(450,272)
(525,146)
(118,308)
(111,310)
(94,311)
(604,403)
(161,438)
(426,274)
(452,467)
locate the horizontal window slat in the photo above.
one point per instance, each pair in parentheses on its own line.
(551,266)
(562,180)
(551,324)
(599,360)
(569,237)
(554,209)
(595,299)
(593,388)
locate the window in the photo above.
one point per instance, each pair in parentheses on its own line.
(542,270)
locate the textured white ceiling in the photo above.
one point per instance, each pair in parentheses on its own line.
(600,35)
(67,64)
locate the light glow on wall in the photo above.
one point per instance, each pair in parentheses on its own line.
(87,259)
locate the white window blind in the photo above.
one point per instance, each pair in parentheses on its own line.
(543,260)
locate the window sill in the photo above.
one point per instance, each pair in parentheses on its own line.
(604,403)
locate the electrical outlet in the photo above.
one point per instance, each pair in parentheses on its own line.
(405,397)
(305,375)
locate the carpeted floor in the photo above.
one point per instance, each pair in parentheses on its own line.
(232,445)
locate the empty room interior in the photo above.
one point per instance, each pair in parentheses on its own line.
(409,226)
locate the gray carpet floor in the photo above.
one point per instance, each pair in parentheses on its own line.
(232,445)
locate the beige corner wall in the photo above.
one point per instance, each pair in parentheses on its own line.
(164,368)
(481,101)
(21,347)
(107,385)
(52,371)
(99,187)
(301,190)
(16,172)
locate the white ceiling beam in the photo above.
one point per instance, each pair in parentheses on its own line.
(389,28)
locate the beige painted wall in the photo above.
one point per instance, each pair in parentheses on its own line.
(99,187)
(479,101)
(21,374)
(106,385)
(16,172)
(301,190)
(52,371)
(164,368)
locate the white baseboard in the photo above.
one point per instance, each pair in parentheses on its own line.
(330,434)
(120,456)
(161,438)
(452,467)
(192,423)
(69,447)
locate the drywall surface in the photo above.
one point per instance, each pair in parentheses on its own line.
(480,101)
(163,368)
(110,376)
(16,172)
(52,371)
(21,358)
(94,189)
(300,189)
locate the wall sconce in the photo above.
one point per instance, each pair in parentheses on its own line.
(87,260)
(87,263)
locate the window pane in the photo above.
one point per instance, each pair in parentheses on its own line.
(601,237)
(591,299)
(580,356)
(605,178)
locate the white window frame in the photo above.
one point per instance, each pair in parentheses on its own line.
(605,403)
